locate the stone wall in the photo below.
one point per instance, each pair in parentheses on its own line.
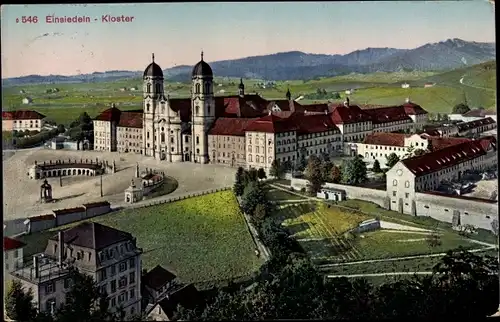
(372,195)
(477,212)
(474,212)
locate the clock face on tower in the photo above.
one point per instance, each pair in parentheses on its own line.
(399,172)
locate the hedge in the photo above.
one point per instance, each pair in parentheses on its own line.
(36,139)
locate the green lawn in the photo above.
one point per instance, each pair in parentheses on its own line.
(202,238)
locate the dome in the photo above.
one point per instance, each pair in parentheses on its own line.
(202,68)
(153,70)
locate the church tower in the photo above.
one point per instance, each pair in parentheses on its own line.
(241,88)
(153,97)
(202,110)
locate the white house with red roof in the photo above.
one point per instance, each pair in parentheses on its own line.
(21,120)
(12,254)
(426,172)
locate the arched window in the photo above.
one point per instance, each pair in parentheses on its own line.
(147,107)
(197,110)
(197,139)
(249,148)
(407,184)
(208,109)
(149,88)
(197,89)
(197,151)
(162,137)
(158,88)
(207,88)
(257,149)
(162,109)
(270,160)
(249,158)
(394,182)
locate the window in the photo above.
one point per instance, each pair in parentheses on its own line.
(6,255)
(394,182)
(102,274)
(122,297)
(186,139)
(104,289)
(407,195)
(132,278)
(113,270)
(407,184)
(132,293)
(197,89)
(158,88)
(207,88)
(113,286)
(50,288)
(50,306)
(132,262)
(113,302)
(123,266)
(394,193)
(16,253)
(197,139)
(67,283)
(122,282)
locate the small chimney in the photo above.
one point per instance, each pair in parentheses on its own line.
(61,247)
(270,112)
(407,100)
(36,267)
(346,103)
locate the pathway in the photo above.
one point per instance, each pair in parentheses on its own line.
(379,274)
(392,259)
(477,87)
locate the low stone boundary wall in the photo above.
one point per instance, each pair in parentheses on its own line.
(66,216)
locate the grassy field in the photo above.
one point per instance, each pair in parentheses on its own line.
(376,88)
(202,238)
(274,194)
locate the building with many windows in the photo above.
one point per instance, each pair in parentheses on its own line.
(426,172)
(22,120)
(243,129)
(110,256)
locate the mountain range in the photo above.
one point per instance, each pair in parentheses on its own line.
(444,55)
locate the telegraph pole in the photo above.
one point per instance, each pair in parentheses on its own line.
(101,185)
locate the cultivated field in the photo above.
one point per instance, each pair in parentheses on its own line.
(201,239)
(21,194)
(479,86)
(322,230)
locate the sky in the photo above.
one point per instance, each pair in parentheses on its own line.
(177,32)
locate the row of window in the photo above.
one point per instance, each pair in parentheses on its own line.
(16,254)
(26,121)
(123,281)
(122,267)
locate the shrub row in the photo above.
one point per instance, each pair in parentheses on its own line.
(36,139)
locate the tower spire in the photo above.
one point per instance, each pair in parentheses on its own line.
(153,56)
(202,55)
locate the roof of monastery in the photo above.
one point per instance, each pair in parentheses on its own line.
(387,114)
(474,124)
(230,126)
(22,115)
(346,114)
(479,112)
(398,139)
(158,277)
(130,119)
(449,156)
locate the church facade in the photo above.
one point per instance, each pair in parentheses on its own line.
(242,129)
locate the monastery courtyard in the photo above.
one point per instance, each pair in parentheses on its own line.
(22,194)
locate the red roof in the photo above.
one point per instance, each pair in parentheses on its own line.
(387,114)
(349,114)
(247,106)
(68,211)
(439,143)
(474,124)
(271,124)
(130,119)
(110,115)
(22,115)
(315,108)
(11,244)
(230,126)
(414,109)
(313,123)
(382,138)
(477,112)
(445,158)
(42,217)
(181,106)
(96,204)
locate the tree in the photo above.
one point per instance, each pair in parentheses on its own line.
(418,152)
(276,170)
(260,213)
(253,195)
(326,170)
(85,301)
(19,304)
(376,167)
(494,226)
(60,128)
(392,159)
(239,185)
(287,166)
(84,118)
(409,152)
(461,108)
(301,160)
(314,174)
(335,175)
(354,171)
(261,173)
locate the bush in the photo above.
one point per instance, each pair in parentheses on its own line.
(302,190)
